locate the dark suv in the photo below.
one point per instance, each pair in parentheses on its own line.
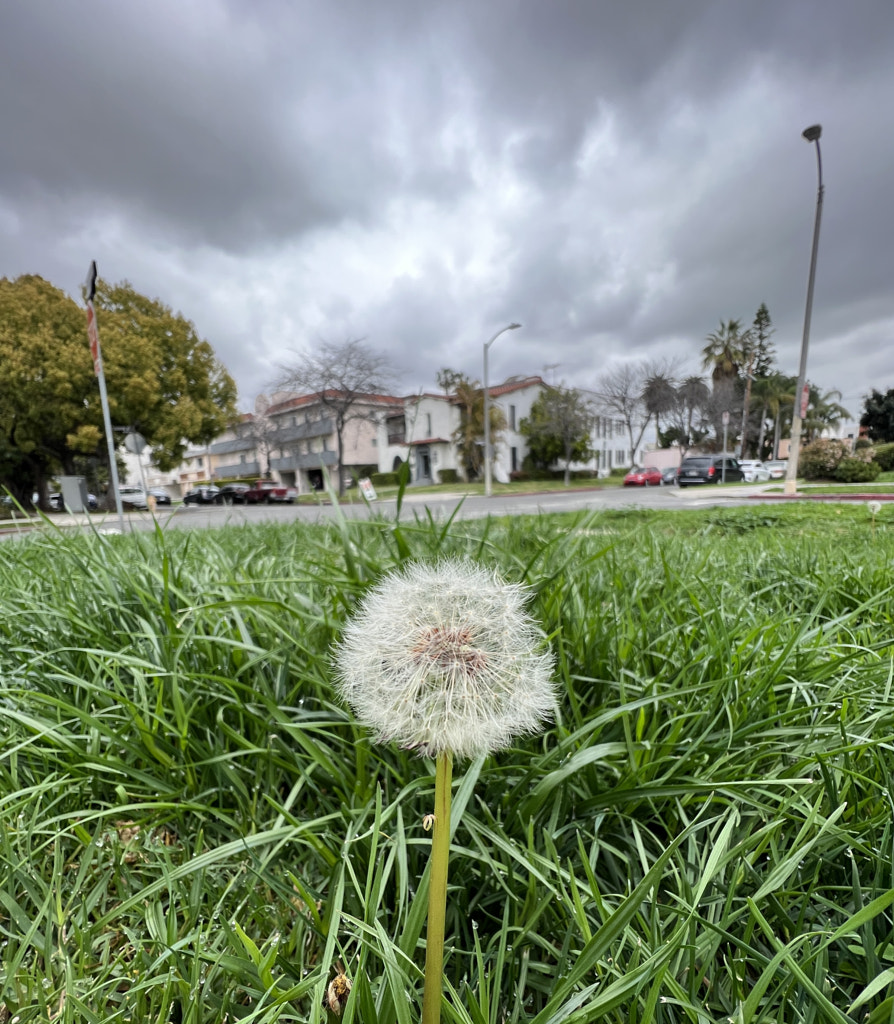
(709,469)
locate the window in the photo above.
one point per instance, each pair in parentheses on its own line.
(428,424)
(513,452)
(512,419)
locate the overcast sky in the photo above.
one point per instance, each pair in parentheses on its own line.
(618,177)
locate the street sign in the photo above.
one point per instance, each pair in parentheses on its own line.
(724,419)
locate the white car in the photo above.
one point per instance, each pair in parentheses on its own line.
(133,496)
(755,471)
(777,468)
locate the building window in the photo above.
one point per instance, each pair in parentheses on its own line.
(428,424)
(512,419)
(513,452)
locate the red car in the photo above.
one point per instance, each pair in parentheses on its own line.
(267,492)
(648,477)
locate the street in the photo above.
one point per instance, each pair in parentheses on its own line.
(442,506)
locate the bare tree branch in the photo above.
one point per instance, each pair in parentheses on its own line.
(340,377)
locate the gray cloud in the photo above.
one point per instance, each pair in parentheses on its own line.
(617,177)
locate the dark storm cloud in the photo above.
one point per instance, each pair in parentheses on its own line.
(618,177)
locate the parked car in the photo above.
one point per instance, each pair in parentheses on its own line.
(133,496)
(58,505)
(231,494)
(204,494)
(669,476)
(776,468)
(755,471)
(161,495)
(648,477)
(268,492)
(709,469)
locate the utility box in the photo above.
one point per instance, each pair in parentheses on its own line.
(74,493)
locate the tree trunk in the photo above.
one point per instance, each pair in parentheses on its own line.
(760,439)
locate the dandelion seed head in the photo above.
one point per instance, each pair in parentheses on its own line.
(444,657)
(874,507)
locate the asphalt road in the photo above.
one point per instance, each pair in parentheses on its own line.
(441,506)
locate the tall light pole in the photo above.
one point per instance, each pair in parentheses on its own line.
(487,345)
(812,134)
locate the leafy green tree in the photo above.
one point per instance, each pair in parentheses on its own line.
(46,375)
(162,379)
(759,356)
(762,330)
(558,428)
(469,435)
(878,415)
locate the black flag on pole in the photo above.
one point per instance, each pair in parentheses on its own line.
(91,281)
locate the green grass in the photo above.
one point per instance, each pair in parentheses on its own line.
(192,829)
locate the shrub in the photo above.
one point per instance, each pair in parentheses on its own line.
(619,471)
(856,471)
(883,454)
(820,459)
(576,474)
(448,476)
(384,479)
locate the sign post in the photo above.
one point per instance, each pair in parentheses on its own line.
(725,419)
(96,352)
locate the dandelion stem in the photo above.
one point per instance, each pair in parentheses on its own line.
(437,892)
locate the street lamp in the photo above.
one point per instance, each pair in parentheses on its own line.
(487,345)
(812,134)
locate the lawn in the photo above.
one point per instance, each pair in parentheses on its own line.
(193,829)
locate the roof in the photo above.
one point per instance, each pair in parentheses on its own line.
(516,385)
(317,398)
(427,440)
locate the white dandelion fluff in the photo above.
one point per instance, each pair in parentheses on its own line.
(874,507)
(444,658)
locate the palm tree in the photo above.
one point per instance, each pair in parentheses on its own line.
(659,397)
(778,396)
(726,351)
(823,411)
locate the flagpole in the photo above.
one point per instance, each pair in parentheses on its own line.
(93,337)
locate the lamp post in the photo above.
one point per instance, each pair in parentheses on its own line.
(487,345)
(811,134)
